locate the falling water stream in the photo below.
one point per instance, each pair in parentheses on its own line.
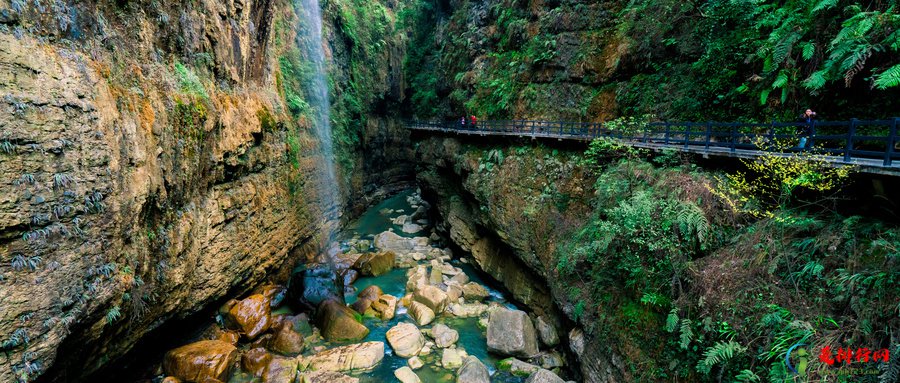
(319,100)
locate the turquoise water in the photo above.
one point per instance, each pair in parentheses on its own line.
(471,337)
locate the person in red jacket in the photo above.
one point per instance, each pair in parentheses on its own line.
(474,121)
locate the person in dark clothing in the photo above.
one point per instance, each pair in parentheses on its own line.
(806,131)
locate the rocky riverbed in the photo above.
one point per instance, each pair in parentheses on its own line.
(386,303)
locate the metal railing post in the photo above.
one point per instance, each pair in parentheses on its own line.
(850,133)
(687,135)
(733,138)
(666,136)
(708,133)
(891,139)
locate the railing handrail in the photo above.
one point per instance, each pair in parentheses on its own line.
(858,141)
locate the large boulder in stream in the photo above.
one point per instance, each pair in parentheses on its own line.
(510,332)
(339,323)
(197,362)
(390,241)
(433,297)
(311,287)
(405,339)
(420,313)
(385,307)
(252,316)
(444,336)
(354,357)
(472,371)
(375,264)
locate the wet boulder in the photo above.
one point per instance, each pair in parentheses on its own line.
(443,335)
(365,299)
(510,332)
(280,370)
(361,356)
(420,313)
(406,375)
(544,376)
(467,310)
(274,293)
(472,371)
(452,358)
(517,367)
(474,292)
(196,362)
(171,379)
(385,307)
(252,316)
(325,377)
(433,297)
(375,264)
(390,241)
(287,341)
(255,361)
(310,287)
(339,323)
(405,339)
(417,278)
(547,332)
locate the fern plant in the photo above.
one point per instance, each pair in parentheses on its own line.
(719,354)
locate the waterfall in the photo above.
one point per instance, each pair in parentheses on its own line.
(319,100)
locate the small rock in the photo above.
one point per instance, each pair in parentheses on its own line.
(201,360)
(517,367)
(415,363)
(315,285)
(467,310)
(576,341)
(280,370)
(460,279)
(362,356)
(551,360)
(426,349)
(375,264)
(171,379)
(451,358)
(251,315)
(417,278)
(275,294)
(474,292)
(385,307)
(405,339)
(231,337)
(444,336)
(544,376)
(454,291)
(412,228)
(286,340)
(472,371)
(547,332)
(432,297)
(325,377)
(420,313)
(255,361)
(406,375)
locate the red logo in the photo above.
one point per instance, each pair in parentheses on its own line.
(849,355)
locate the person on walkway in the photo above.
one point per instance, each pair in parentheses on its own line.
(808,119)
(474,121)
(462,122)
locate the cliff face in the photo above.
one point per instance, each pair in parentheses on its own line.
(150,166)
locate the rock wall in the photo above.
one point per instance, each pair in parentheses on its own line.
(149,168)
(503,220)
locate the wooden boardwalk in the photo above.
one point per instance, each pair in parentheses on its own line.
(869,145)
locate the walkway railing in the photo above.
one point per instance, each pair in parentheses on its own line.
(847,140)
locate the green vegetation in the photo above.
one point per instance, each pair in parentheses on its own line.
(662,256)
(708,60)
